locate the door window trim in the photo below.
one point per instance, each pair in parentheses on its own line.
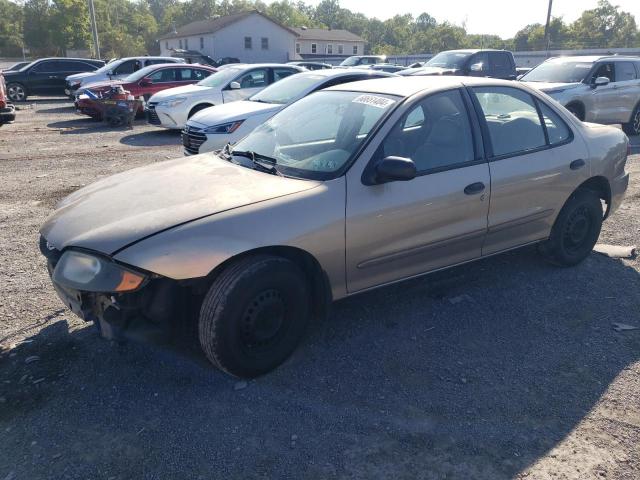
(486,136)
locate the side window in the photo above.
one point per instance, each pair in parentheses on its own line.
(197,74)
(512,118)
(43,67)
(499,62)
(164,75)
(605,70)
(254,79)
(280,73)
(481,59)
(557,129)
(625,71)
(127,67)
(435,134)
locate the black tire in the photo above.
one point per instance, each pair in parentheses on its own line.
(16,92)
(576,110)
(633,127)
(576,230)
(254,315)
(197,108)
(115,117)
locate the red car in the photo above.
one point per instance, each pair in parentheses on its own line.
(7,111)
(143,83)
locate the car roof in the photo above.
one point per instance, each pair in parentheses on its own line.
(408,86)
(68,58)
(180,65)
(262,65)
(346,72)
(593,58)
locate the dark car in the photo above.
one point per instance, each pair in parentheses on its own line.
(46,76)
(312,65)
(469,63)
(7,111)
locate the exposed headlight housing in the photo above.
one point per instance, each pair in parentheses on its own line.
(93,273)
(171,102)
(224,128)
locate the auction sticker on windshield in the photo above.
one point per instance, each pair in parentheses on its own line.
(373,100)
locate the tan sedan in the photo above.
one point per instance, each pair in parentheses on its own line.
(349,189)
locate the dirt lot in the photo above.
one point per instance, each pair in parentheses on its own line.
(506,368)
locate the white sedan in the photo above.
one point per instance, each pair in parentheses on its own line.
(214,127)
(172,108)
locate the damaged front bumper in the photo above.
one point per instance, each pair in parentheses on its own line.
(147,310)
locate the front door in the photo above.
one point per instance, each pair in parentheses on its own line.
(400,229)
(605,97)
(533,166)
(42,77)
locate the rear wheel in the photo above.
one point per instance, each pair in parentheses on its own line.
(633,127)
(254,315)
(576,230)
(16,92)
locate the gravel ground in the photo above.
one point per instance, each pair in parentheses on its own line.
(505,368)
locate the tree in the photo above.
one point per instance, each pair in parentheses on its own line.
(604,26)
(10,29)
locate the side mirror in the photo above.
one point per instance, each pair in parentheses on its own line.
(145,82)
(110,73)
(391,169)
(476,67)
(234,86)
(600,82)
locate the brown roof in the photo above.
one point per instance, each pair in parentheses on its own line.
(327,35)
(214,24)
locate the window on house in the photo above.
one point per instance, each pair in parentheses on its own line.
(314,48)
(329,49)
(264,43)
(186,44)
(340,49)
(166,45)
(201,43)
(247,43)
(355,49)
(180,43)
(297,48)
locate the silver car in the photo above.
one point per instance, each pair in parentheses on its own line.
(351,188)
(594,88)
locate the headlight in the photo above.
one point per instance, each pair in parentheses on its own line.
(229,127)
(92,273)
(172,102)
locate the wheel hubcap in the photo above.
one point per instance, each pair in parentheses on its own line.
(15,93)
(263,319)
(577,229)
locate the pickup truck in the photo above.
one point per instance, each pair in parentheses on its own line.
(469,63)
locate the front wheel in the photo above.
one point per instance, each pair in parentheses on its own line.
(576,230)
(16,92)
(633,127)
(254,315)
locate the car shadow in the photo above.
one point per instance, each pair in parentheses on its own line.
(475,372)
(64,109)
(152,138)
(84,125)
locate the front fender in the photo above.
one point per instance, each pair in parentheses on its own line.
(313,221)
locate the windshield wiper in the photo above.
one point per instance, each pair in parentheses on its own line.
(261,162)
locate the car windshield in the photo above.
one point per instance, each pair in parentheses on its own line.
(350,62)
(288,89)
(448,60)
(558,72)
(140,74)
(316,136)
(110,66)
(220,78)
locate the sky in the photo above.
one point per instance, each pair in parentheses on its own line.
(499,17)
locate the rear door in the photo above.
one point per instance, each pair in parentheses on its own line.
(400,229)
(42,77)
(627,86)
(535,163)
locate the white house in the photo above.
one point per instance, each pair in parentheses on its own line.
(325,43)
(251,37)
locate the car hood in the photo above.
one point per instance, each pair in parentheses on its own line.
(100,85)
(122,209)
(552,87)
(80,76)
(228,112)
(186,90)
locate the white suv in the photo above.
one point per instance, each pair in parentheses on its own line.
(114,70)
(172,108)
(600,89)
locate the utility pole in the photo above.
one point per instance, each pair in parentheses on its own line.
(547,34)
(94,29)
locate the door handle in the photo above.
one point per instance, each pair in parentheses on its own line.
(53,76)
(474,188)
(577,164)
